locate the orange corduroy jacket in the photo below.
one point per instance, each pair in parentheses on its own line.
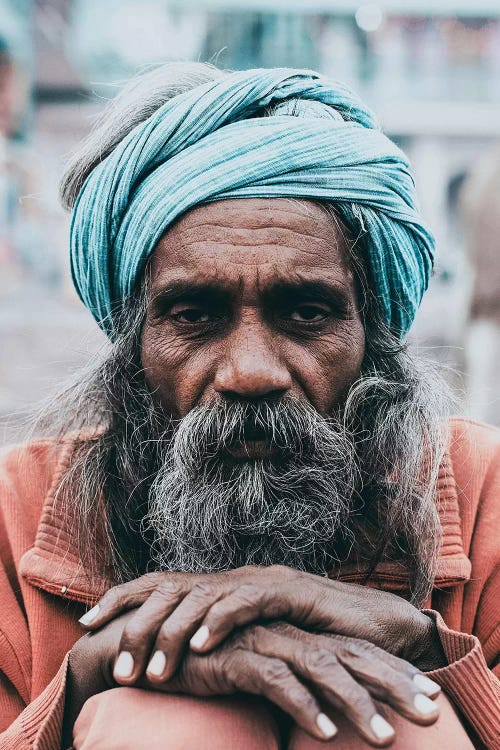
(43,590)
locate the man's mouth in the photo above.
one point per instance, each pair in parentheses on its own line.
(253,449)
(253,443)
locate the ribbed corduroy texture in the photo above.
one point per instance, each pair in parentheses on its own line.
(213,142)
(36,562)
(466,678)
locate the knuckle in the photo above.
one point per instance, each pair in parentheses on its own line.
(252,636)
(359,701)
(348,649)
(150,580)
(153,576)
(319,660)
(228,666)
(249,592)
(133,636)
(218,609)
(259,632)
(113,595)
(275,673)
(168,632)
(216,675)
(204,589)
(397,684)
(168,588)
(349,652)
(125,593)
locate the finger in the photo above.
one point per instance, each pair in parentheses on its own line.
(246,604)
(404,682)
(389,685)
(120,599)
(423,684)
(141,631)
(274,680)
(179,626)
(320,667)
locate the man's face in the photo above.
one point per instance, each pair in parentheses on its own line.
(252,300)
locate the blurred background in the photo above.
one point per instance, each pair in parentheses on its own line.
(430,69)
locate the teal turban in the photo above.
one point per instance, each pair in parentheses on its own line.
(215,142)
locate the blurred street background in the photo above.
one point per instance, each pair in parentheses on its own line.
(429,68)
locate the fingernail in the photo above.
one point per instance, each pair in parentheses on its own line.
(424,705)
(425,685)
(326,726)
(124,665)
(87,618)
(200,637)
(381,727)
(157,664)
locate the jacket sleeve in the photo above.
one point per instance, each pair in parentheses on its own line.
(468,681)
(39,725)
(27,720)
(472,643)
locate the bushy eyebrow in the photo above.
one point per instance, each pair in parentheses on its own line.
(274,294)
(181,289)
(284,291)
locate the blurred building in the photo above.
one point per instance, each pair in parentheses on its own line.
(430,68)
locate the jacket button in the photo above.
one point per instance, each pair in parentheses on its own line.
(64,589)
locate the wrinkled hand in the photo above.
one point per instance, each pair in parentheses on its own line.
(174,608)
(305,674)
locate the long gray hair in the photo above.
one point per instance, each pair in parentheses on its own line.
(393,419)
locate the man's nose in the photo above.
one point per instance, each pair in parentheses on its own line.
(251,367)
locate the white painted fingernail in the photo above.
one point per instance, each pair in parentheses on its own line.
(124,665)
(381,727)
(326,726)
(87,618)
(424,705)
(425,685)
(200,637)
(157,664)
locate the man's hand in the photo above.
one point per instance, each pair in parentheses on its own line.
(305,673)
(302,673)
(90,670)
(175,608)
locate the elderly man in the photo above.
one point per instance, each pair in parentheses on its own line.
(283,539)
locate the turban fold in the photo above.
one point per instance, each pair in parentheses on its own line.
(216,142)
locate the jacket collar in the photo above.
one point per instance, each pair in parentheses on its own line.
(53,566)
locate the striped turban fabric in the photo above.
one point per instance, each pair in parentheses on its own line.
(219,141)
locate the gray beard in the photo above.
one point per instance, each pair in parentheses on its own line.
(208,512)
(360,483)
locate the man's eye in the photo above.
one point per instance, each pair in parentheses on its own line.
(309,313)
(189,314)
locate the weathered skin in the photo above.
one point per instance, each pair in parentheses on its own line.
(256,350)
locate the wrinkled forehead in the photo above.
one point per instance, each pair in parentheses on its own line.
(254,239)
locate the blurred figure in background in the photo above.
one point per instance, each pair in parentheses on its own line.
(21,221)
(6,126)
(480,201)
(6,89)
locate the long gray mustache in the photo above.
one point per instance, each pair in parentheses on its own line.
(292,427)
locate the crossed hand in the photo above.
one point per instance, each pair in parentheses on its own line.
(304,642)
